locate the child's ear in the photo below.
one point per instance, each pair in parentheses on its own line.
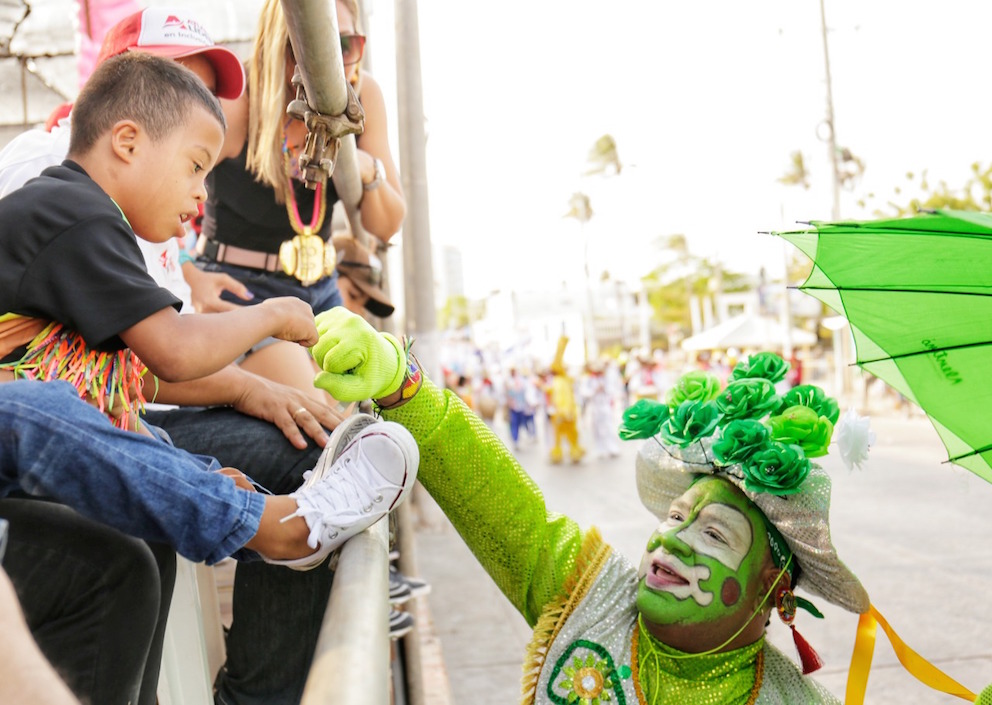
(124,137)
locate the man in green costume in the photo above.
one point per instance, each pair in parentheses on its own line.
(744,519)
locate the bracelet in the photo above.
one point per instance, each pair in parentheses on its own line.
(413,380)
(378,175)
(185,256)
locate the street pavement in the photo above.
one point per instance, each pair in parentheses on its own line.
(914,529)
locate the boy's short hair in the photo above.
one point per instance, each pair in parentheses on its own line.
(156,93)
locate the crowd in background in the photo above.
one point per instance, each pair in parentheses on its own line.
(511,392)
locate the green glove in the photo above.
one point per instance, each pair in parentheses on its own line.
(358,362)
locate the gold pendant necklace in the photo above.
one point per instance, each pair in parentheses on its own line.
(306,257)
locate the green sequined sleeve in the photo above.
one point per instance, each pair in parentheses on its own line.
(495,506)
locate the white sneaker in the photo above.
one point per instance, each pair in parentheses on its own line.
(367,468)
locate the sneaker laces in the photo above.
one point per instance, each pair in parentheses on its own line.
(321,502)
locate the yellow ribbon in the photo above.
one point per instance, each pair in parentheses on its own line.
(918,667)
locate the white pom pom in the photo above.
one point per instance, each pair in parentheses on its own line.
(853,436)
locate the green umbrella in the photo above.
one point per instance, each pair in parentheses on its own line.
(918,295)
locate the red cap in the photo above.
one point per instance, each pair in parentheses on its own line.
(174,34)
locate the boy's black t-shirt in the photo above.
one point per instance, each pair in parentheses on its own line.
(68,255)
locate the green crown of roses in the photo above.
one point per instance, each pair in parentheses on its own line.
(746,424)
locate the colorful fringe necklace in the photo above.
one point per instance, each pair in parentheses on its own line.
(109,378)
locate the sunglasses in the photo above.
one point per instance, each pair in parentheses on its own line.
(374,275)
(352,47)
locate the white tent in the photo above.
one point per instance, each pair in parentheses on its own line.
(748,331)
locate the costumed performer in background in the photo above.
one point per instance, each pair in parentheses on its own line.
(563,411)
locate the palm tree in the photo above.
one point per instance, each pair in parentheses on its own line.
(603,157)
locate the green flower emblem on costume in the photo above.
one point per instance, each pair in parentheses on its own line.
(694,386)
(587,681)
(800,425)
(690,422)
(749,398)
(813,397)
(763,365)
(778,469)
(585,675)
(739,441)
(643,419)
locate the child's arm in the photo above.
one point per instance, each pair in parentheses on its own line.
(179,348)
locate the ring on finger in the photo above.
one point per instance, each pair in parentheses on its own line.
(298,412)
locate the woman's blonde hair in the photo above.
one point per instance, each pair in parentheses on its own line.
(269,93)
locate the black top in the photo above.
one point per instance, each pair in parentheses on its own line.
(244,212)
(68,255)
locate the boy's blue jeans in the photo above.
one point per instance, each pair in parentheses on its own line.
(95,599)
(53,445)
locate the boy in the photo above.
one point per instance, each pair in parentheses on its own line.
(145,133)
(169,32)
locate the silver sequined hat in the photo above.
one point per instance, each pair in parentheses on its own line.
(665,472)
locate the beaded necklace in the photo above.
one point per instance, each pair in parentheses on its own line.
(292,208)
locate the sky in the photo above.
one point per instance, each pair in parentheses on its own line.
(706,100)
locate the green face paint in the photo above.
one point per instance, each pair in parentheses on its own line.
(700,563)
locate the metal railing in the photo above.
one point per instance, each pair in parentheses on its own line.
(351,663)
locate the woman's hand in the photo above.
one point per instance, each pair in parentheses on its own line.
(206,289)
(292,410)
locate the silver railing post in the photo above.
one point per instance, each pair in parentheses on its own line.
(351,662)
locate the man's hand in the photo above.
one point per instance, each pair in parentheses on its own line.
(296,320)
(206,289)
(293,411)
(358,362)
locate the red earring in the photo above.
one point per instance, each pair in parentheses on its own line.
(785,604)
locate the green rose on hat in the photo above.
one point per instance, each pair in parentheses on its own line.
(739,441)
(694,386)
(802,426)
(643,419)
(813,397)
(691,421)
(765,365)
(777,469)
(748,398)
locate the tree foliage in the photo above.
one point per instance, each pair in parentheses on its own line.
(681,275)
(974,195)
(458,312)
